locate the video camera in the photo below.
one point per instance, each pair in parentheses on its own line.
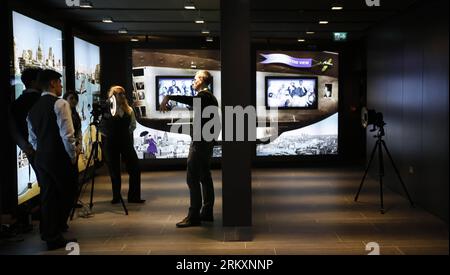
(103,109)
(372,117)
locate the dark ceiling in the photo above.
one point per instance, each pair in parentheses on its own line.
(275,19)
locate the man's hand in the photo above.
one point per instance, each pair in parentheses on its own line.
(163,106)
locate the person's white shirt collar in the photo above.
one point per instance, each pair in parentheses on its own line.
(49,93)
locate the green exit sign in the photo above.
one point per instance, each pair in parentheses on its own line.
(340,36)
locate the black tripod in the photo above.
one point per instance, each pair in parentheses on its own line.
(92,156)
(380,144)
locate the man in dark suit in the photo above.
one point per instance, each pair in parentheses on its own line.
(200,152)
(19,112)
(51,134)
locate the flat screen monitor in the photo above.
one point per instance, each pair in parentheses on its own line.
(175,85)
(291,92)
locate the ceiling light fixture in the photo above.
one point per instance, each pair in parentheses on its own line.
(107,20)
(323,22)
(189,5)
(337,8)
(86,5)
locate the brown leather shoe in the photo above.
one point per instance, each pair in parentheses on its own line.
(188,222)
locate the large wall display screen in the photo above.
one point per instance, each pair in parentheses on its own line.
(167,72)
(35,45)
(304,87)
(87,85)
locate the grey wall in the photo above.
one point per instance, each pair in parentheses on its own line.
(407,80)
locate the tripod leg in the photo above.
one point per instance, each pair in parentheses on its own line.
(381,174)
(95,150)
(398,173)
(367,169)
(123,205)
(81,186)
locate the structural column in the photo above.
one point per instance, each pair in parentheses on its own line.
(236,91)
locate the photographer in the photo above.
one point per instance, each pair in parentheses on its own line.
(118,143)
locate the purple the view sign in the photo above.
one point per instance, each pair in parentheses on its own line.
(288,60)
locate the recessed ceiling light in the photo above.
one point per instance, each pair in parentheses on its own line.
(134,39)
(301,40)
(323,22)
(86,5)
(107,20)
(199,21)
(123,31)
(189,5)
(209,39)
(310,32)
(205,32)
(337,8)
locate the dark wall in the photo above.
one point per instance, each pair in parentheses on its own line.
(408,81)
(8,202)
(115,59)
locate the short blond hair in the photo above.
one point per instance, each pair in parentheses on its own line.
(206,77)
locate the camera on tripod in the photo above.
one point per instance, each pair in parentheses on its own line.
(103,109)
(372,117)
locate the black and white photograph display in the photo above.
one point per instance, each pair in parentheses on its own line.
(87,85)
(35,45)
(176,85)
(285,92)
(303,87)
(157,73)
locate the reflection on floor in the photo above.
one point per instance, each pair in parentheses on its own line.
(296,211)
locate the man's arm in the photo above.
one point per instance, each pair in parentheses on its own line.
(188,100)
(17,136)
(65,124)
(32,139)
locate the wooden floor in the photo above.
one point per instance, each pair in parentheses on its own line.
(295,211)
